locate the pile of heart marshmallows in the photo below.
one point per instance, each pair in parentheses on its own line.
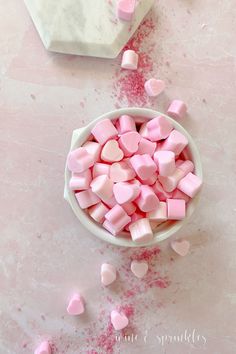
(132,177)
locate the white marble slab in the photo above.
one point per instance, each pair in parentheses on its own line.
(84,27)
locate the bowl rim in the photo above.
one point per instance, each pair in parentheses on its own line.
(163,231)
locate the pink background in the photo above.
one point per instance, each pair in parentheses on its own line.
(46,254)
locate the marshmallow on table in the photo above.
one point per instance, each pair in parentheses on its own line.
(129,60)
(111,152)
(102,186)
(147,201)
(79,160)
(190,185)
(125,192)
(175,142)
(86,198)
(143,165)
(141,231)
(129,143)
(93,149)
(126,9)
(76,305)
(100,169)
(118,218)
(43,348)
(160,192)
(139,269)
(159,128)
(177,109)
(154,87)
(121,172)
(146,147)
(119,320)
(176,209)
(159,214)
(169,183)
(126,124)
(98,212)
(108,274)
(177,194)
(104,131)
(80,181)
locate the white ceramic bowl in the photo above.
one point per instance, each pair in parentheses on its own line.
(163,231)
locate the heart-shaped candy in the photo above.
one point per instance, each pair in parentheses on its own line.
(181,247)
(139,269)
(129,142)
(154,87)
(108,274)
(125,192)
(79,160)
(121,172)
(119,320)
(125,9)
(147,200)
(43,348)
(111,152)
(76,305)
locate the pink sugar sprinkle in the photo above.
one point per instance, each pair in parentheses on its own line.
(146,255)
(161,283)
(129,85)
(128,310)
(106,341)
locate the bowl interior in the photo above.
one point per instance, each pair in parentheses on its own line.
(164,230)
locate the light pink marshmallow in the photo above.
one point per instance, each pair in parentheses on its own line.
(118,218)
(129,207)
(143,165)
(129,143)
(169,183)
(146,147)
(160,192)
(176,209)
(93,149)
(80,181)
(165,161)
(111,228)
(125,192)
(126,124)
(102,186)
(175,142)
(159,128)
(147,201)
(143,130)
(98,212)
(177,109)
(190,185)
(177,194)
(151,180)
(141,231)
(43,348)
(154,87)
(126,9)
(119,320)
(79,160)
(111,202)
(76,305)
(159,214)
(86,198)
(111,152)
(100,169)
(121,172)
(104,131)
(135,217)
(108,274)
(129,60)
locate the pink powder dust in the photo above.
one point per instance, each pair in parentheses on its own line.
(146,254)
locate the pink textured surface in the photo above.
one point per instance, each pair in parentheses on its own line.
(45,254)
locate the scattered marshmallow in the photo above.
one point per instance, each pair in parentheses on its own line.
(43,348)
(126,9)
(79,160)
(108,274)
(129,60)
(190,185)
(76,305)
(129,143)
(176,209)
(104,131)
(181,247)
(126,124)
(159,128)
(154,87)
(177,109)
(111,152)
(102,186)
(139,269)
